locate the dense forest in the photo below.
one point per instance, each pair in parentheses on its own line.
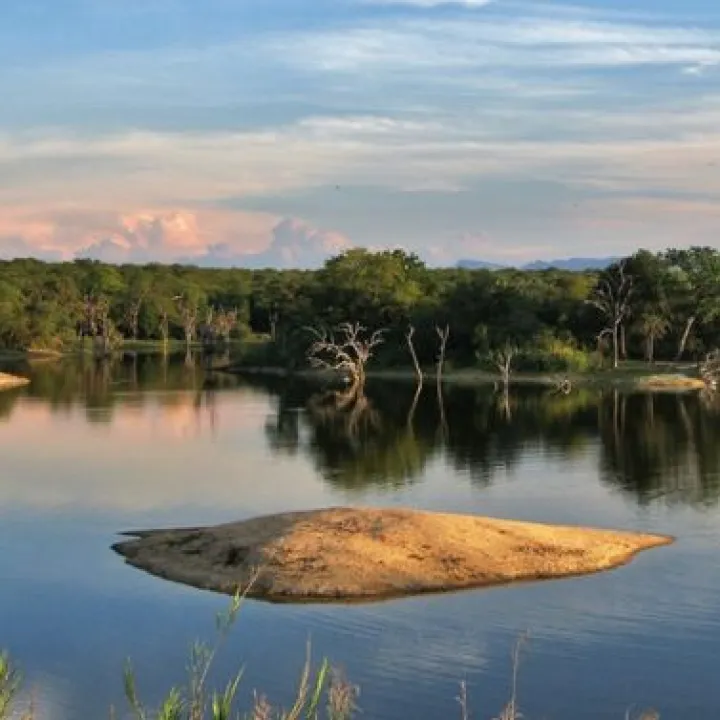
(647,306)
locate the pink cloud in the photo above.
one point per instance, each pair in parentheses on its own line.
(203,236)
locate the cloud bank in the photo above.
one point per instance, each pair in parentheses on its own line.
(385,121)
(205,238)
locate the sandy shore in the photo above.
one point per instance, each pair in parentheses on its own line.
(11,381)
(374,553)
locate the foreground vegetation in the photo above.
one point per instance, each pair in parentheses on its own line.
(645,307)
(321,694)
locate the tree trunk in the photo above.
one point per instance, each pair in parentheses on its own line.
(443,334)
(413,354)
(686,334)
(623,343)
(616,346)
(505,372)
(651,348)
(273,326)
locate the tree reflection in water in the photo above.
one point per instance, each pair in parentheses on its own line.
(662,446)
(653,447)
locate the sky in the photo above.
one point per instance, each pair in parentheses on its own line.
(279,132)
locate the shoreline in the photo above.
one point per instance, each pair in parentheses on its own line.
(652,380)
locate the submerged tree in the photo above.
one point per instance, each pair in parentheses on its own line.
(348,352)
(502,359)
(188,311)
(409,334)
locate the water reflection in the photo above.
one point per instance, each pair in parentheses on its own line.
(648,447)
(179,445)
(661,447)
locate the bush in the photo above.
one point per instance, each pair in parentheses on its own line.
(549,354)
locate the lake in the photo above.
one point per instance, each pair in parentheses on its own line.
(91,449)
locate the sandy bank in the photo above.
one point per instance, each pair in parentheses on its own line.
(366,553)
(11,381)
(670,382)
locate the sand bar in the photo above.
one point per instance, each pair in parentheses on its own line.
(374,553)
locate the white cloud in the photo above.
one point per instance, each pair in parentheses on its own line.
(484,42)
(431,3)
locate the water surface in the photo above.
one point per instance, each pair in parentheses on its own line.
(89,450)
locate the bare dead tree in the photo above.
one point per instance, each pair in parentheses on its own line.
(443,334)
(188,317)
(132,314)
(502,359)
(689,324)
(349,353)
(96,323)
(710,370)
(225,321)
(612,298)
(164,327)
(103,330)
(89,316)
(562,385)
(409,333)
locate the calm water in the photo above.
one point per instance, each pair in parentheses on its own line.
(88,451)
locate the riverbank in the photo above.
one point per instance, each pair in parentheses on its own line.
(8,382)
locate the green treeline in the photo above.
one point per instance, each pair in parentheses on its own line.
(648,306)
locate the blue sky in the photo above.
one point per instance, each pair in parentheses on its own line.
(280,131)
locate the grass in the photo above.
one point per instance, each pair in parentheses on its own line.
(321,694)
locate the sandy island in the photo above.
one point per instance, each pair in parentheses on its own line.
(677,383)
(11,381)
(366,553)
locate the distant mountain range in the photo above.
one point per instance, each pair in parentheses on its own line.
(573,264)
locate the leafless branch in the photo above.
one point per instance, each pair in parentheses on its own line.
(502,359)
(350,352)
(409,333)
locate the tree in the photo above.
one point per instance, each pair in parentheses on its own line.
(188,310)
(409,333)
(502,359)
(135,295)
(696,293)
(653,327)
(611,296)
(349,353)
